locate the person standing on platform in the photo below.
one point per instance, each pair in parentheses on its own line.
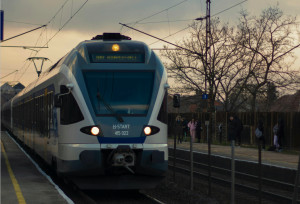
(198,130)
(220,132)
(178,128)
(262,137)
(280,133)
(276,144)
(240,129)
(184,128)
(192,125)
(235,128)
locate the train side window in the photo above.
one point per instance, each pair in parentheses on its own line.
(163,112)
(69,111)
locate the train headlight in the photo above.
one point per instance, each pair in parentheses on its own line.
(92,130)
(150,130)
(147,130)
(115,47)
(95,131)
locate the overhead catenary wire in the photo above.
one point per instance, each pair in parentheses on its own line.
(195,19)
(21,22)
(60,10)
(24,46)
(229,8)
(171,21)
(28,62)
(23,33)
(159,12)
(66,23)
(9,74)
(171,35)
(50,38)
(142,19)
(190,19)
(162,40)
(45,30)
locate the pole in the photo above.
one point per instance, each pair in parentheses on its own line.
(208,77)
(207,123)
(192,164)
(259,171)
(174,152)
(1,24)
(207,44)
(295,194)
(24,33)
(232,172)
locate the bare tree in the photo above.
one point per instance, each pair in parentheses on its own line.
(269,40)
(244,59)
(189,68)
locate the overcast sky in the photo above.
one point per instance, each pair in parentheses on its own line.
(98,16)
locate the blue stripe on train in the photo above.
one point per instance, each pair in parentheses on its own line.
(122,140)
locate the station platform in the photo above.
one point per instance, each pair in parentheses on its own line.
(279,159)
(21,181)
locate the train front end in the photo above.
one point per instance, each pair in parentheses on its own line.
(124,87)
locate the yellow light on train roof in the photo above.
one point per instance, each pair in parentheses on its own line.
(115,47)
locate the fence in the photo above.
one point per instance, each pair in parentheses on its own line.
(291,139)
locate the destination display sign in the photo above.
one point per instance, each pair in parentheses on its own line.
(118,58)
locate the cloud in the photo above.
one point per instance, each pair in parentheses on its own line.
(98,16)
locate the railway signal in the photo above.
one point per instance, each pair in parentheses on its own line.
(176,100)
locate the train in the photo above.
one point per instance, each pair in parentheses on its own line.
(98,116)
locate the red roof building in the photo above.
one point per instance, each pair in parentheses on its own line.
(287,103)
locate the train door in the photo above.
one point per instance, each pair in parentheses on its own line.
(48,126)
(45,131)
(39,140)
(30,122)
(35,122)
(23,121)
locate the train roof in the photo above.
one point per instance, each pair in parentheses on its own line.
(100,43)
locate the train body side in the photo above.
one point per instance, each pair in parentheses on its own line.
(55,133)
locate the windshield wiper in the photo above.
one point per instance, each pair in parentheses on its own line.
(109,108)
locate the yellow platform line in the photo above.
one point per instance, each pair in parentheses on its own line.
(17,188)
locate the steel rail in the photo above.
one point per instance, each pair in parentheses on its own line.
(152,198)
(241,187)
(266,181)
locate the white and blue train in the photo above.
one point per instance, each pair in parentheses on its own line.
(99,115)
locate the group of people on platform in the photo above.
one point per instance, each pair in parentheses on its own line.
(235,128)
(192,128)
(278,131)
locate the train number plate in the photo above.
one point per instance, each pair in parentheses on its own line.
(121,129)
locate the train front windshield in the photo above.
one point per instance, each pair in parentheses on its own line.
(120,92)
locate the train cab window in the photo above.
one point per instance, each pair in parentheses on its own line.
(69,111)
(163,112)
(120,92)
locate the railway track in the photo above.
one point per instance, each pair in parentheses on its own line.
(111,197)
(273,190)
(92,196)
